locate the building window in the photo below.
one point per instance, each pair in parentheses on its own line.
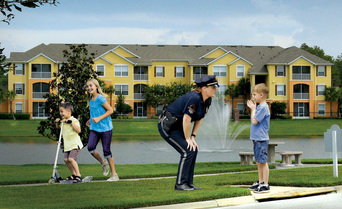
(39,110)
(179,73)
(240,71)
(19,88)
(301,73)
(321,109)
(220,71)
(241,107)
(321,71)
(100,69)
(41,71)
(40,90)
(280,71)
(19,107)
(320,90)
(222,89)
(19,69)
(121,70)
(199,72)
(280,90)
(123,89)
(159,71)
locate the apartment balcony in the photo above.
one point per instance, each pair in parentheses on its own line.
(139,96)
(140,77)
(196,76)
(300,76)
(301,96)
(41,74)
(39,95)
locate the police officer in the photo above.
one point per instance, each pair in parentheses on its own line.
(175,123)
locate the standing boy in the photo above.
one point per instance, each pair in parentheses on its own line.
(260,125)
(72,141)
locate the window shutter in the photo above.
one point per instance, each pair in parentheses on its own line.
(183,72)
(316,71)
(155,71)
(325,71)
(163,71)
(23,89)
(276,90)
(284,70)
(284,90)
(316,90)
(13,69)
(23,69)
(275,69)
(14,87)
(175,71)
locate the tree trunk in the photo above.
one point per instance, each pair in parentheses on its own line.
(12,110)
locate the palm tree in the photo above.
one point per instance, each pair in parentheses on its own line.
(245,90)
(331,96)
(109,90)
(10,95)
(233,91)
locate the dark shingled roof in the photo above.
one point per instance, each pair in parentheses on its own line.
(257,56)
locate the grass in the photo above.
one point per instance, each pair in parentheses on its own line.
(146,129)
(143,193)
(41,173)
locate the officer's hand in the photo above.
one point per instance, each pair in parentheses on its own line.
(195,144)
(190,145)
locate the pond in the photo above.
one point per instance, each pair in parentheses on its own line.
(144,152)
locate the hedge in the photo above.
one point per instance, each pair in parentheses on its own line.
(18,116)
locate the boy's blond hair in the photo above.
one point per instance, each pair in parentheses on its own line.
(261,88)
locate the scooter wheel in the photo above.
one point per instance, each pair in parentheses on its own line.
(51,181)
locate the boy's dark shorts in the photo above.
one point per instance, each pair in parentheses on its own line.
(260,151)
(72,154)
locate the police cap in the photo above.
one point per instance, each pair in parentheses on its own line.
(208,80)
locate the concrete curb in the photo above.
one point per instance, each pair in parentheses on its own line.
(277,192)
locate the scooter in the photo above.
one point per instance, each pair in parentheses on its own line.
(55,175)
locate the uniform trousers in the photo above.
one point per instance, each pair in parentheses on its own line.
(186,166)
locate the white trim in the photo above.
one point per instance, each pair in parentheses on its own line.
(219,71)
(104,60)
(119,46)
(121,71)
(213,51)
(22,107)
(244,71)
(104,69)
(303,58)
(41,54)
(122,84)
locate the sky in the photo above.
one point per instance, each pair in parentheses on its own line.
(281,23)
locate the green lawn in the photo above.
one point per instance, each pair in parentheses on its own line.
(130,194)
(146,129)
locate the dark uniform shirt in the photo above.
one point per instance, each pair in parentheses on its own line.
(191,104)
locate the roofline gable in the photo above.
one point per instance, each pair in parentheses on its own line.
(126,51)
(104,60)
(230,52)
(41,54)
(213,51)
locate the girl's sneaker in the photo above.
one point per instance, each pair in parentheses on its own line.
(113,177)
(105,170)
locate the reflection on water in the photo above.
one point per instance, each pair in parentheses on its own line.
(143,152)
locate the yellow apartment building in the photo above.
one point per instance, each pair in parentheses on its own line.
(293,75)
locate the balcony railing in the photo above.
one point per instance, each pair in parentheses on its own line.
(300,95)
(196,76)
(301,76)
(140,77)
(41,75)
(139,96)
(39,95)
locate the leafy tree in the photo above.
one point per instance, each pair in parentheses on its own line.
(7,6)
(109,90)
(317,51)
(70,85)
(233,91)
(10,95)
(245,90)
(4,68)
(331,95)
(121,107)
(174,90)
(154,95)
(278,108)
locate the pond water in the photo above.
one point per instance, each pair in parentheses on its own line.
(143,152)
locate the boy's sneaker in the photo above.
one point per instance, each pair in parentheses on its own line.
(105,169)
(113,177)
(254,186)
(263,188)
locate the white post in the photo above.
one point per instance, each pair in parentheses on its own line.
(334,149)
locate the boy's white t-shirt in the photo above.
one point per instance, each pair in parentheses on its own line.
(259,132)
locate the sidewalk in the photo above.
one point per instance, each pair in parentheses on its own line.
(276,192)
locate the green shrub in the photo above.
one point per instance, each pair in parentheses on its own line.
(18,116)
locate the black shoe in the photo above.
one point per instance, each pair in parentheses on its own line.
(183,187)
(195,187)
(254,186)
(262,189)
